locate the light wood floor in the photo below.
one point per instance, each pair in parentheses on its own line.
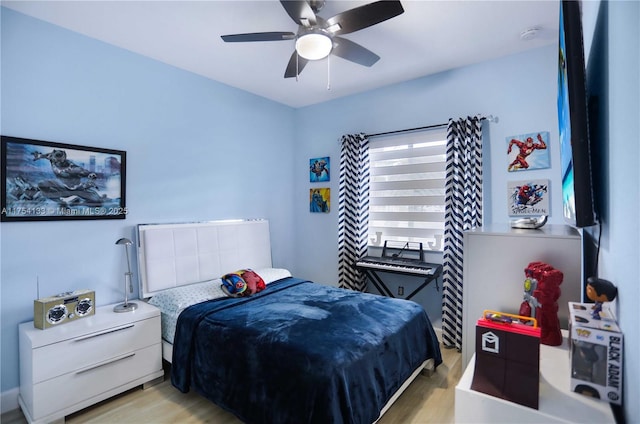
(426,400)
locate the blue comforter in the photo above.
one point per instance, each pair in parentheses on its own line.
(300,352)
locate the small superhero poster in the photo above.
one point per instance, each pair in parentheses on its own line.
(319,169)
(319,200)
(529,197)
(528,151)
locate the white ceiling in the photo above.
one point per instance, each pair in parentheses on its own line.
(429,37)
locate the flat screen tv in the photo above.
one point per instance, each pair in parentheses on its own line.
(575,153)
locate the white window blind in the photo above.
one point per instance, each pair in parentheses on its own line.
(406,192)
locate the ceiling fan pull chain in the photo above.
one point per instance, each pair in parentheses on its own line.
(297,73)
(328,72)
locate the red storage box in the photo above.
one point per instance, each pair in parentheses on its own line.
(508,358)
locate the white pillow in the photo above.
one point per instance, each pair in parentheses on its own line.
(269,275)
(173,301)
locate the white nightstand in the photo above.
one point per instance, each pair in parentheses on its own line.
(67,368)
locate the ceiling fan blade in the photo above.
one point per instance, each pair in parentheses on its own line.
(363,17)
(300,12)
(353,52)
(258,36)
(294,68)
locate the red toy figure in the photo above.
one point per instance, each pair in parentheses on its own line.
(546,294)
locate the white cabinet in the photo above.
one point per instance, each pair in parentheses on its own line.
(557,403)
(495,257)
(67,368)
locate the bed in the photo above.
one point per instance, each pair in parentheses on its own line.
(296,352)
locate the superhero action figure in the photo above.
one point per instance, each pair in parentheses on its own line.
(600,291)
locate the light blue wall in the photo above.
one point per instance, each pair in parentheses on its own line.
(613,53)
(196,150)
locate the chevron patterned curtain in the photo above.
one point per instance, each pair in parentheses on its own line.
(463,211)
(353,210)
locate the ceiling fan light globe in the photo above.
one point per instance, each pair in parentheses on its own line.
(314,46)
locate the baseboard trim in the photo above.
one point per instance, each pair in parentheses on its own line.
(9,400)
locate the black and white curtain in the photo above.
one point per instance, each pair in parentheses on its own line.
(353,210)
(463,211)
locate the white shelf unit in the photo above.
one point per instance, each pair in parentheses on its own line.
(495,257)
(67,368)
(557,403)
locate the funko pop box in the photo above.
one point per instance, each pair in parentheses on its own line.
(595,349)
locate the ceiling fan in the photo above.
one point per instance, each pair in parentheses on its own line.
(317,37)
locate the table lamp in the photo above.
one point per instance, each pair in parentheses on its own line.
(126,306)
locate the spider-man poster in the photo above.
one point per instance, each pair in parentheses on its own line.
(529,197)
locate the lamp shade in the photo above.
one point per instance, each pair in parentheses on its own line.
(314,45)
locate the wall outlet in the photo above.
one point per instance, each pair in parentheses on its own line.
(400,290)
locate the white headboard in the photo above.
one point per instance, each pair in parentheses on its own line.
(172,255)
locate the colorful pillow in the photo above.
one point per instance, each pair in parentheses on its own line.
(254,281)
(233,285)
(244,282)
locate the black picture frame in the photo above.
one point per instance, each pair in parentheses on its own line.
(50,181)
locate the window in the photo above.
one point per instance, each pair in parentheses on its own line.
(406,192)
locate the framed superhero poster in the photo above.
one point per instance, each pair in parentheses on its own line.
(45,181)
(528,151)
(319,169)
(320,200)
(528,197)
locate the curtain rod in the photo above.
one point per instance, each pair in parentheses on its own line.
(489,118)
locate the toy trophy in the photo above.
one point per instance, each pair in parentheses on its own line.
(541,293)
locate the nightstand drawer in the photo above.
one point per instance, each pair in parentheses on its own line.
(92,348)
(89,381)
